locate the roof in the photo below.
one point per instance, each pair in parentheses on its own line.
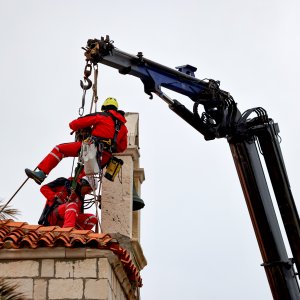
(17,235)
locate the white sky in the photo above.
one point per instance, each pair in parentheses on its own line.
(196,230)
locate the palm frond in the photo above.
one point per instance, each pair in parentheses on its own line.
(8,291)
(7,211)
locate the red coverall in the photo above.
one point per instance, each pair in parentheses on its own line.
(102,127)
(66,214)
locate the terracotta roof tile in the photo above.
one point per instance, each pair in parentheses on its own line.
(48,228)
(16,235)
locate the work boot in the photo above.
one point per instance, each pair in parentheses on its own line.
(37,176)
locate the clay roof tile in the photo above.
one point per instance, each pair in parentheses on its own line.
(15,235)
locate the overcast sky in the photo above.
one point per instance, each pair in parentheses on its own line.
(196,231)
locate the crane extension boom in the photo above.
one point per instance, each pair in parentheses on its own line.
(222,119)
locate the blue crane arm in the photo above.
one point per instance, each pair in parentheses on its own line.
(220,112)
(153,75)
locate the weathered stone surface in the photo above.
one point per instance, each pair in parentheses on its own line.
(65,289)
(40,289)
(104,269)
(20,268)
(97,289)
(76,269)
(116,201)
(47,268)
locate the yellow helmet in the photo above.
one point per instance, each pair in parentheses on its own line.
(110,103)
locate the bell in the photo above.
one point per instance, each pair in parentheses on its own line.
(137,202)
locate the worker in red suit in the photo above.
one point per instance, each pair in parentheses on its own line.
(64,206)
(107,127)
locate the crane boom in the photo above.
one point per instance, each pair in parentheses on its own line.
(222,119)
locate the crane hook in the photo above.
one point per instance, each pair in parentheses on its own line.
(88,85)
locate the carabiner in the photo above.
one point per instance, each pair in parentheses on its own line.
(80,111)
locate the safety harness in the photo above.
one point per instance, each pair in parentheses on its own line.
(114,164)
(48,209)
(108,144)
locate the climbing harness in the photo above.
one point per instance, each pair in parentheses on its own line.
(83,134)
(43,220)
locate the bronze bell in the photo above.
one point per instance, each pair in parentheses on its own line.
(137,202)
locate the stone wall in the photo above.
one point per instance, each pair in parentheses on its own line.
(62,273)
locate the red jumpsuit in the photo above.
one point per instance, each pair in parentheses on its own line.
(103,126)
(67,214)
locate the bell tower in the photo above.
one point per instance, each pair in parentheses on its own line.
(121,204)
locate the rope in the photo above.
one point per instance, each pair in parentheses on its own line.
(95,200)
(87,72)
(15,193)
(72,169)
(96,195)
(95,92)
(99,196)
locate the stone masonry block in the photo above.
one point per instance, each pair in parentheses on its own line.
(104,268)
(21,268)
(120,293)
(114,283)
(65,289)
(116,201)
(76,269)
(75,253)
(47,268)
(39,289)
(24,286)
(97,289)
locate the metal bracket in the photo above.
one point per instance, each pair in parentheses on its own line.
(289,263)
